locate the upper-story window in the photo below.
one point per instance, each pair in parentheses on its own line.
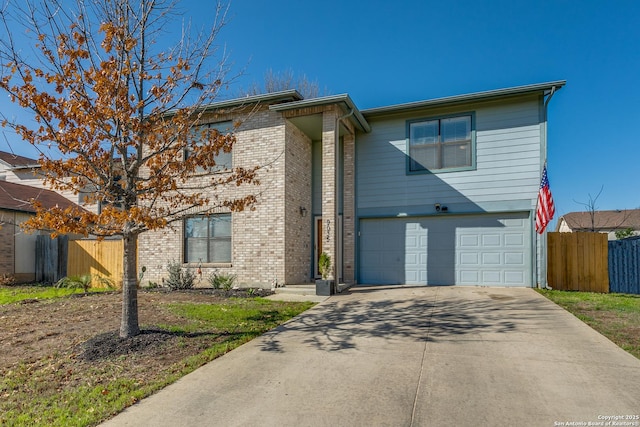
(441,144)
(223,160)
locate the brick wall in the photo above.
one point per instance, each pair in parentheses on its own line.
(329,188)
(298,218)
(348,215)
(258,235)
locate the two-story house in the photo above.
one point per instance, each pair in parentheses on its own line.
(436,192)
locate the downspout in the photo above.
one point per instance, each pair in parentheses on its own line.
(543,249)
(546,107)
(336,165)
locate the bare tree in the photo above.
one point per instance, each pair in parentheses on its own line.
(123,113)
(279,81)
(591,208)
(609,222)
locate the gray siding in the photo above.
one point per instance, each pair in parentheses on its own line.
(506,177)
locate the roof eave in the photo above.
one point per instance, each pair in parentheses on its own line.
(345,99)
(466,98)
(290,95)
(21,167)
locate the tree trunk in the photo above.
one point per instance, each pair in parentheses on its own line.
(129,323)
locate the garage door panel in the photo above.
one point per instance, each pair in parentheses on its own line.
(469,259)
(491,277)
(446,250)
(489,258)
(491,240)
(470,241)
(514,258)
(514,222)
(515,277)
(513,239)
(469,277)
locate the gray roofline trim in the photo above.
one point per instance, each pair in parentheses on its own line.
(290,95)
(344,98)
(471,97)
(22,167)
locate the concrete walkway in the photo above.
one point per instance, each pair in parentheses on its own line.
(410,356)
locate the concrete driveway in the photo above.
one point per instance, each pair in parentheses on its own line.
(411,356)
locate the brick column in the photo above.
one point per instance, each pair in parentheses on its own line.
(348,207)
(329,188)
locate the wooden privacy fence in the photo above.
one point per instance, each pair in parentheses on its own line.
(578,262)
(51,258)
(98,258)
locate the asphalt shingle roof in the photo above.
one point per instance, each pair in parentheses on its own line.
(604,220)
(18,197)
(15,160)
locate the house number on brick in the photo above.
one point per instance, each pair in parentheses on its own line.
(328,229)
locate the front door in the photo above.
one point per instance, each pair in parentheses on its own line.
(317,237)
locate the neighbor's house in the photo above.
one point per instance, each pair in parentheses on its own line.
(17,248)
(436,192)
(601,222)
(26,171)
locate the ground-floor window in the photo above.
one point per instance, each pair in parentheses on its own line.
(207,239)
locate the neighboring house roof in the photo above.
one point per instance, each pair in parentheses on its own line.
(16,161)
(18,197)
(602,220)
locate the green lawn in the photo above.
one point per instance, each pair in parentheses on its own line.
(13,294)
(616,316)
(61,387)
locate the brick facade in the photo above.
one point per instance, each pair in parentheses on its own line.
(271,243)
(329,188)
(348,208)
(298,218)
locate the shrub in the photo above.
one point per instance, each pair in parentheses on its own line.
(76,282)
(623,234)
(179,277)
(221,280)
(324,265)
(104,282)
(7,280)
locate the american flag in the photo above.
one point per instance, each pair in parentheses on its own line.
(546,210)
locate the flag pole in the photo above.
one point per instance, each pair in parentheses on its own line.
(542,244)
(542,282)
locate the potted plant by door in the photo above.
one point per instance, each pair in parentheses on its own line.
(326,286)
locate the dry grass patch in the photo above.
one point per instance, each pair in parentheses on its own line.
(63,363)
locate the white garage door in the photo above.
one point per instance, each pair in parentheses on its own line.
(451,250)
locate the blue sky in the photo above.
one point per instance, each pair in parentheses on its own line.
(384,53)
